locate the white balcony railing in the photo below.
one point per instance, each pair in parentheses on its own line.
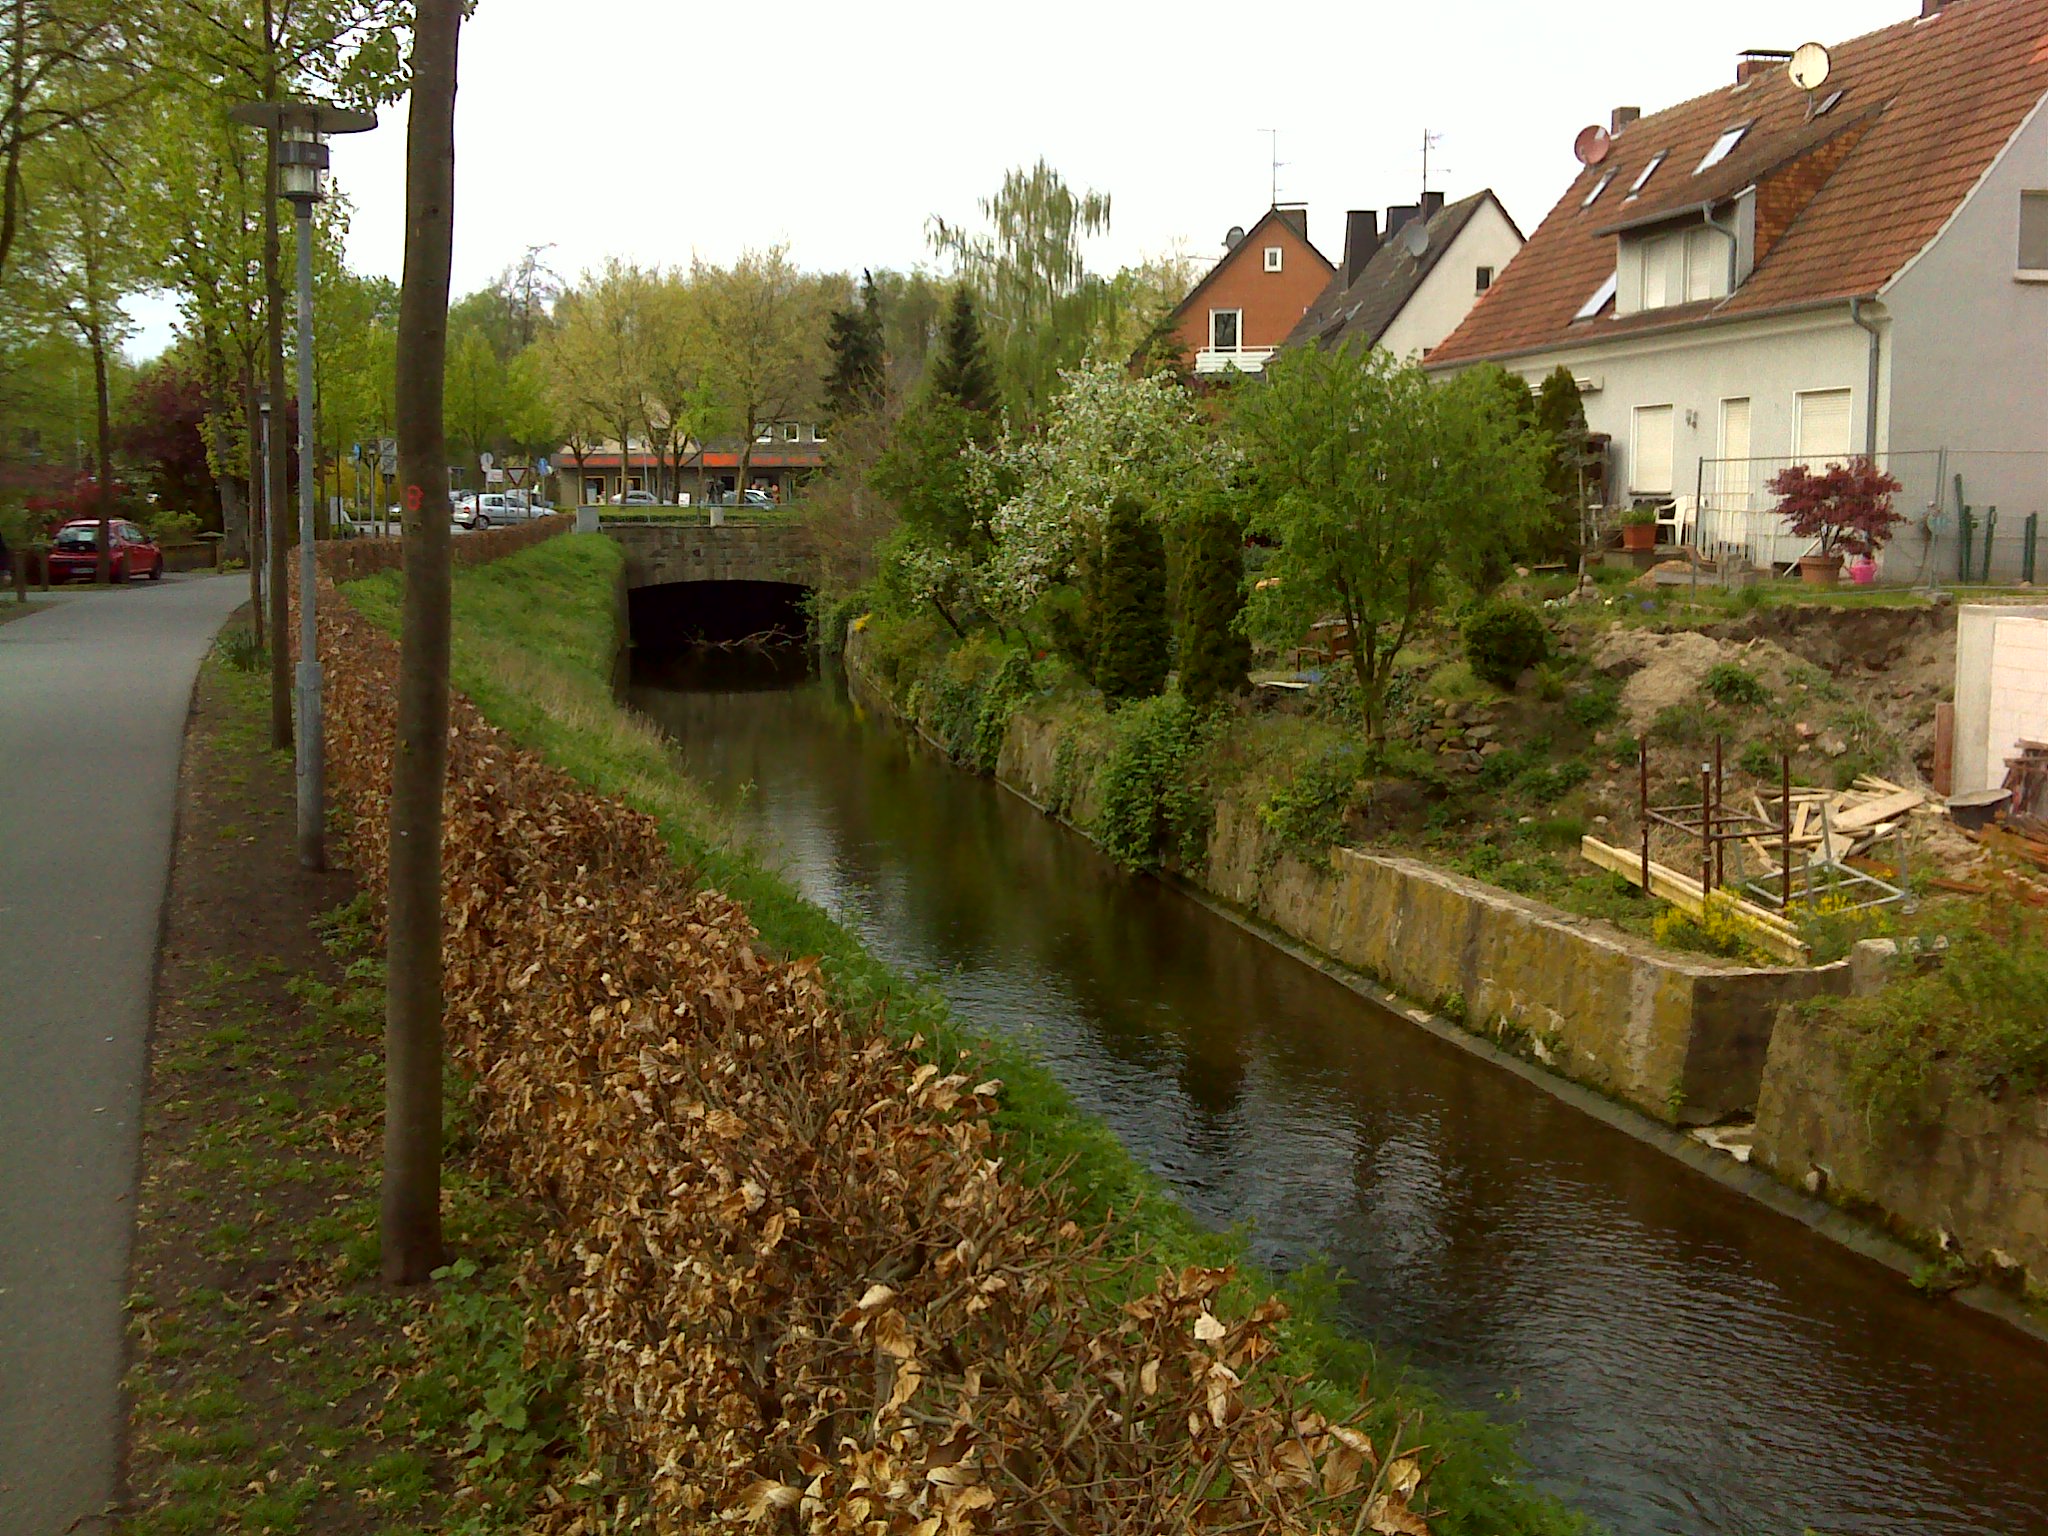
(1223,359)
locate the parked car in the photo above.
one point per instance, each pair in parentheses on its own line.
(489,510)
(75,552)
(636,499)
(747,501)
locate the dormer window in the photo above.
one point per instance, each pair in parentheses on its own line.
(1724,146)
(1598,187)
(1680,267)
(1274,256)
(1647,172)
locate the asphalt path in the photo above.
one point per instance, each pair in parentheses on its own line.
(93,698)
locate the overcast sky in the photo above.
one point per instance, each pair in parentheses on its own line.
(651,130)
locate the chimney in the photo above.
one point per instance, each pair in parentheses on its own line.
(1621,117)
(1432,205)
(1752,62)
(1295,215)
(1361,240)
(1931,8)
(1399,215)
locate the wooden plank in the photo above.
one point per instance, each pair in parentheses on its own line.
(1886,807)
(1770,931)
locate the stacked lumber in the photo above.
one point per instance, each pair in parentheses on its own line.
(2022,838)
(2026,775)
(1834,826)
(1772,932)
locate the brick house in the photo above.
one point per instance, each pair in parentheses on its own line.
(1237,316)
(1770,274)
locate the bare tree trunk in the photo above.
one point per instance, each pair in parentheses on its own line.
(410,1225)
(277,488)
(103,466)
(253,426)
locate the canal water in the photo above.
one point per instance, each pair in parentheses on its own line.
(1681,1359)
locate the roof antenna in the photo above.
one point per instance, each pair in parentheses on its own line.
(1273,134)
(1429,141)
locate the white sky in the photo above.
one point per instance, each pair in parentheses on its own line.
(651,129)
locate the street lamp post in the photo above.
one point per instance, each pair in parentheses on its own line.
(301,167)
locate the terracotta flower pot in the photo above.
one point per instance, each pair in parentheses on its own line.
(1820,570)
(1638,535)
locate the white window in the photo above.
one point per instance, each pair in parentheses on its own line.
(1706,265)
(1482,279)
(1734,476)
(818,433)
(1724,146)
(1820,426)
(1273,258)
(1649,472)
(1647,172)
(1598,187)
(1601,297)
(1832,101)
(792,433)
(2034,232)
(766,434)
(1663,271)
(1224,326)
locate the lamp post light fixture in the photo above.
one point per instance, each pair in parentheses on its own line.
(302,127)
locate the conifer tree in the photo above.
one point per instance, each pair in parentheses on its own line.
(1215,656)
(854,375)
(1131,646)
(961,368)
(1561,417)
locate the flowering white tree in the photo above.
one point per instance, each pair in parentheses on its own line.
(1109,434)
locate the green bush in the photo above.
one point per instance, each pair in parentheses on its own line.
(1131,648)
(1759,760)
(1150,807)
(1215,656)
(1307,811)
(1595,705)
(1737,686)
(1503,639)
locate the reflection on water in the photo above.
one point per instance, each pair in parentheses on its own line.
(1684,1360)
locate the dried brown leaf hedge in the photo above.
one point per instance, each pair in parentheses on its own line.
(803,1293)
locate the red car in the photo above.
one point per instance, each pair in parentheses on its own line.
(75,552)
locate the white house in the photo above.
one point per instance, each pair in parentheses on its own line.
(1769,274)
(1408,288)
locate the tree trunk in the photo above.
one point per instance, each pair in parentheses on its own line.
(103,466)
(258,512)
(410,1224)
(277,487)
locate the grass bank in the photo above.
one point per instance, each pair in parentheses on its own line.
(534,643)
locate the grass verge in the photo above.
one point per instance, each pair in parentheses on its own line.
(275,1385)
(533,647)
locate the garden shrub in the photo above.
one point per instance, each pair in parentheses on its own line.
(1759,760)
(1150,807)
(1306,813)
(1131,646)
(1504,638)
(1215,656)
(1596,704)
(1000,699)
(1735,685)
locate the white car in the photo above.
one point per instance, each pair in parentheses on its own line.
(490,510)
(636,499)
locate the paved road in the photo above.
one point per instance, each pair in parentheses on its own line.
(93,698)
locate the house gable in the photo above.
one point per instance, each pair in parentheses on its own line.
(1268,301)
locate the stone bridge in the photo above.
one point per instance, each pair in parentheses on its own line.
(688,584)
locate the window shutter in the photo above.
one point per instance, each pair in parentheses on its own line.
(1650,473)
(1822,427)
(2034,231)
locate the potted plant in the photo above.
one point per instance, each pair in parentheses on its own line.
(1639,528)
(1847,507)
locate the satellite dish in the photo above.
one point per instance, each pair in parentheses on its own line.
(1415,236)
(1232,239)
(1809,66)
(1593,144)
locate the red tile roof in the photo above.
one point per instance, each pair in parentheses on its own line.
(1854,194)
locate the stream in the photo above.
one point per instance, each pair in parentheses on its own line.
(1680,1359)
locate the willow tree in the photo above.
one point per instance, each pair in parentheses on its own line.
(1041,306)
(410,1219)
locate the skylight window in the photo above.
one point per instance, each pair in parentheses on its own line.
(1724,146)
(1598,187)
(1601,296)
(1828,105)
(1647,172)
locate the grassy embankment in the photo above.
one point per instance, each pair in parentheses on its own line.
(534,643)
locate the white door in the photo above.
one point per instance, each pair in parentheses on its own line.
(1649,471)
(1820,427)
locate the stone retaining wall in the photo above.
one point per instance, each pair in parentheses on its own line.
(1966,1174)
(342,560)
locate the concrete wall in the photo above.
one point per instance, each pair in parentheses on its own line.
(1972,339)
(1977,631)
(1681,1038)
(1448,293)
(659,553)
(1968,1167)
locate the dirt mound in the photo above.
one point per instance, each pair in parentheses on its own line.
(1663,669)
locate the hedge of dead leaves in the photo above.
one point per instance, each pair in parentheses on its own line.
(804,1294)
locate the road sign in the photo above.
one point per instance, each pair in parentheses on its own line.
(487,460)
(516,473)
(540,466)
(493,476)
(387,455)
(356,453)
